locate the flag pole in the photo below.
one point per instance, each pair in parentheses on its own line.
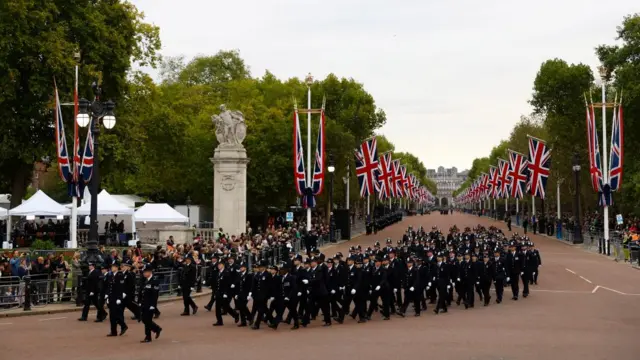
(347,189)
(309,169)
(605,159)
(73,224)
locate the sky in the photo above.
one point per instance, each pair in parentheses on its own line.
(452,76)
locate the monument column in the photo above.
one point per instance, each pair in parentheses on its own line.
(230,173)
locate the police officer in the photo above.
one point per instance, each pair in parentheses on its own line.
(224,290)
(537,262)
(104,286)
(379,289)
(114,297)
(335,289)
(515,265)
(318,294)
(260,291)
(486,277)
(149,303)
(187,281)
(411,286)
(244,281)
(285,297)
(500,275)
(130,289)
(92,293)
(442,283)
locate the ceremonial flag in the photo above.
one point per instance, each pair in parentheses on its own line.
(411,186)
(318,171)
(518,166)
(539,165)
(617,142)
(385,175)
(367,166)
(595,166)
(484,186)
(77,161)
(504,181)
(298,156)
(397,179)
(405,181)
(64,167)
(493,182)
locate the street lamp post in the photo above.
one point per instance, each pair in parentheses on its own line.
(331,168)
(577,235)
(90,113)
(189,209)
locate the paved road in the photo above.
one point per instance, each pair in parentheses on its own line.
(585,307)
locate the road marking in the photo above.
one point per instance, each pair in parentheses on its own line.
(571,271)
(595,289)
(49,319)
(612,290)
(562,291)
(6,323)
(585,279)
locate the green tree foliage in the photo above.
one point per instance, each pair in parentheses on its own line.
(38,41)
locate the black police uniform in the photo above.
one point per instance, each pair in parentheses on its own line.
(223,296)
(411,285)
(92,295)
(260,292)
(244,282)
(115,292)
(188,280)
(150,288)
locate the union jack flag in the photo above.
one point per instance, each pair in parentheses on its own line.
(518,166)
(318,171)
(617,142)
(298,157)
(504,181)
(397,179)
(86,168)
(64,167)
(77,185)
(493,182)
(539,165)
(404,181)
(385,175)
(411,186)
(367,166)
(484,186)
(595,167)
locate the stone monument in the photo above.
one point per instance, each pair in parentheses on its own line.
(230,172)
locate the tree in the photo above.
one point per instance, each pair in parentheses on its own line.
(38,40)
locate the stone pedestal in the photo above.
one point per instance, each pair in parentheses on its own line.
(230,188)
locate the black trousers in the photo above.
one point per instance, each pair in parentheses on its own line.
(149,324)
(486,286)
(186,299)
(132,306)
(317,302)
(534,275)
(525,282)
(470,296)
(499,285)
(258,310)
(374,303)
(243,309)
(411,297)
(292,307)
(515,284)
(335,301)
(116,316)
(212,299)
(223,304)
(442,296)
(93,300)
(459,286)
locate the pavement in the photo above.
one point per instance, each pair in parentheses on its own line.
(585,307)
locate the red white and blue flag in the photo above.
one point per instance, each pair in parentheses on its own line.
(318,170)
(64,167)
(617,142)
(404,181)
(539,167)
(484,186)
(385,177)
(298,156)
(504,181)
(397,179)
(411,186)
(518,168)
(493,182)
(595,166)
(367,166)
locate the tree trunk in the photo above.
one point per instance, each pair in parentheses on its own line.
(19,182)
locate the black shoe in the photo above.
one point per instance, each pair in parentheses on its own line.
(458,302)
(111,335)
(362,321)
(158,333)
(416,315)
(82,319)
(156,315)
(185,314)
(498,301)
(195,310)
(514,298)
(385,318)
(134,318)
(146,340)
(326,324)
(525,295)
(436,311)
(340,320)
(445,310)
(353,316)
(466,306)
(295,327)
(98,320)
(255,327)
(207,307)
(242,325)
(123,330)
(236,318)
(401,314)
(218,324)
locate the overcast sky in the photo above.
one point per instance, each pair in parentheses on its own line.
(453,76)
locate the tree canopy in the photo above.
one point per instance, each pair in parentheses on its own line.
(558,100)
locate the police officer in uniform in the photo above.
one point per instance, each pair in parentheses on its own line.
(224,290)
(114,297)
(187,281)
(442,283)
(514,262)
(335,288)
(500,275)
(104,286)
(318,294)
(149,303)
(92,293)
(130,289)
(411,286)
(486,278)
(260,291)
(285,297)
(243,288)
(379,290)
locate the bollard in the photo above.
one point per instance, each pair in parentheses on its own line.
(27,293)
(599,244)
(608,247)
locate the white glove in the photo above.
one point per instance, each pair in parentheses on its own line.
(90,294)
(333,292)
(521,273)
(233,286)
(458,279)
(124,295)
(249,297)
(395,291)
(342,288)
(224,296)
(534,274)
(308,292)
(448,287)
(118,302)
(203,282)
(353,291)
(508,279)
(106,297)
(299,294)
(370,292)
(411,288)
(236,297)
(305,281)
(377,287)
(107,301)
(271,299)
(429,284)
(286,299)
(151,308)
(477,282)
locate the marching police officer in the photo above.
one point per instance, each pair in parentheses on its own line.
(243,288)
(187,281)
(130,289)
(224,290)
(149,303)
(115,296)
(442,283)
(411,286)
(515,265)
(92,293)
(260,294)
(500,275)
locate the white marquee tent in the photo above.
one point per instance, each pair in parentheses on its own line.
(107,205)
(3,213)
(40,204)
(159,213)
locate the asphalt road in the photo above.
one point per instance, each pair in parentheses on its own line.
(585,307)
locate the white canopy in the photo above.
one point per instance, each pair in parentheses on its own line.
(107,205)
(3,213)
(39,205)
(159,213)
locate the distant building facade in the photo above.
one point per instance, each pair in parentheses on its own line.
(447,181)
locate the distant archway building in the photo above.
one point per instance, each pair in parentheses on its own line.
(447,181)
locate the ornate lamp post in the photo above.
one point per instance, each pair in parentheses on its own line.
(331,168)
(90,113)
(577,235)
